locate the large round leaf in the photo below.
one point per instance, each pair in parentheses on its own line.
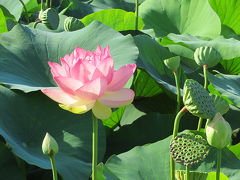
(128,5)
(152,55)
(3,24)
(24,120)
(14,7)
(151,162)
(181,17)
(228,48)
(117,19)
(227,85)
(228,11)
(24,52)
(8,162)
(232,66)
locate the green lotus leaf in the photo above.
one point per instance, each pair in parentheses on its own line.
(117,19)
(151,58)
(180,17)
(24,66)
(228,86)
(9,168)
(151,162)
(3,24)
(228,11)
(227,48)
(13,8)
(24,121)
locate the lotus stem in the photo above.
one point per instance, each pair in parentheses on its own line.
(26,11)
(205,87)
(41,4)
(219,157)
(46,4)
(94,147)
(199,124)
(205,76)
(136,12)
(50,3)
(187,172)
(35,24)
(178,90)
(64,10)
(54,170)
(175,131)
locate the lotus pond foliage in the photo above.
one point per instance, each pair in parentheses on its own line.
(120,89)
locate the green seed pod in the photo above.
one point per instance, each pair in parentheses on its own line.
(219,132)
(197,100)
(193,175)
(40,14)
(49,145)
(221,104)
(50,18)
(72,24)
(188,149)
(207,56)
(172,63)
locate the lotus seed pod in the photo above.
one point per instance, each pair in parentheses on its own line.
(50,18)
(40,14)
(221,104)
(188,149)
(207,56)
(172,63)
(219,132)
(72,24)
(197,100)
(49,145)
(193,175)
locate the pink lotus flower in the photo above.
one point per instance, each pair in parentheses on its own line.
(87,80)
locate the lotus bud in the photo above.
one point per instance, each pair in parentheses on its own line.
(188,149)
(197,100)
(218,132)
(72,24)
(193,175)
(172,63)
(221,104)
(50,18)
(207,56)
(49,145)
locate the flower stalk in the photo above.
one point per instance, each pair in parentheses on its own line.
(175,131)
(94,147)
(26,11)
(178,90)
(205,87)
(41,4)
(136,13)
(187,172)
(54,169)
(46,4)
(219,157)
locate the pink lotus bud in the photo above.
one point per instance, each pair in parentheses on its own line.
(218,132)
